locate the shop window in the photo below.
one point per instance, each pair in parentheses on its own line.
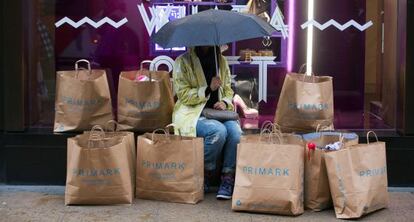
(358,56)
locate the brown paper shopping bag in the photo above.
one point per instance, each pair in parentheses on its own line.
(269,176)
(144,105)
(317,194)
(358,179)
(82,99)
(130,142)
(98,170)
(170,168)
(304,103)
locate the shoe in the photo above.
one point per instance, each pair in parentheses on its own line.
(244,111)
(225,191)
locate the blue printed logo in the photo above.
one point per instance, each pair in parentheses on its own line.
(308,106)
(238,203)
(266,171)
(61,127)
(163,165)
(96,172)
(143,105)
(373,172)
(81,102)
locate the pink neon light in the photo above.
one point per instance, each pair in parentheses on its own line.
(291,24)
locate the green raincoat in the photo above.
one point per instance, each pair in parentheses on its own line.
(190,85)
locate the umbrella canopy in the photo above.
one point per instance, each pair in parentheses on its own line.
(211,27)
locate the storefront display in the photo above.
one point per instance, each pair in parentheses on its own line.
(116,36)
(360,45)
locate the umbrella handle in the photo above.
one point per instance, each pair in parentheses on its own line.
(216,62)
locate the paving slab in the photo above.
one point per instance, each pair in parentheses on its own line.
(46,203)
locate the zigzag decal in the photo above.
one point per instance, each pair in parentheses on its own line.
(337,25)
(91,22)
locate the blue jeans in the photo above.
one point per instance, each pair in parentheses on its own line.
(219,137)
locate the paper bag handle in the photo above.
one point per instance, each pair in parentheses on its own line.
(96,136)
(341,135)
(271,129)
(141,68)
(167,134)
(302,68)
(82,61)
(301,71)
(320,128)
(341,138)
(279,135)
(270,133)
(270,125)
(173,126)
(312,76)
(116,126)
(266,125)
(97,131)
(264,132)
(376,137)
(145,62)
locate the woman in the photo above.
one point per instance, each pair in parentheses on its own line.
(198,86)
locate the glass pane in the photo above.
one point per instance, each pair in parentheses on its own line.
(348,45)
(115,35)
(40,57)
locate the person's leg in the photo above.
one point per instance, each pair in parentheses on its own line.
(229,161)
(230,147)
(214,134)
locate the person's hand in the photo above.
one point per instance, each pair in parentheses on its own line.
(215,83)
(220,106)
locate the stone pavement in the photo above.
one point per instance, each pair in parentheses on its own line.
(46,203)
